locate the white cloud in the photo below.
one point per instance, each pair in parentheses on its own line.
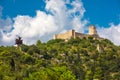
(5,24)
(31,29)
(57,18)
(5,27)
(112,33)
(77,13)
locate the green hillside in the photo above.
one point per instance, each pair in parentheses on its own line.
(76,59)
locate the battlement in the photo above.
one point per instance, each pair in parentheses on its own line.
(73,34)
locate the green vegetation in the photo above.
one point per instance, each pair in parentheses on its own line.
(76,59)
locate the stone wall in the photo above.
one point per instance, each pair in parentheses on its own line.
(81,35)
(73,34)
(66,35)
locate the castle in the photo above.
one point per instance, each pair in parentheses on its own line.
(73,34)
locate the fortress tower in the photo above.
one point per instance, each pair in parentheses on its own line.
(92,30)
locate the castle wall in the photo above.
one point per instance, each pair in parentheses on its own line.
(78,34)
(66,35)
(81,35)
(73,34)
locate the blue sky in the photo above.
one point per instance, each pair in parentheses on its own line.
(100,12)
(12,8)
(104,14)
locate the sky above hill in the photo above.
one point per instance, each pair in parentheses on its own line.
(41,19)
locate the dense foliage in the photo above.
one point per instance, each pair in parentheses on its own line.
(76,59)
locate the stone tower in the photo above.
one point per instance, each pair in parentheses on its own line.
(92,30)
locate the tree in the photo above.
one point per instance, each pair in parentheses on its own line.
(52,73)
(12,64)
(38,43)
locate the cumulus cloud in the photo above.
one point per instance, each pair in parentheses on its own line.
(32,29)
(112,33)
(68,14)
(59,15)
(5,26)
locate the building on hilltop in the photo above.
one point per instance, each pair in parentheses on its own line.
(73,34)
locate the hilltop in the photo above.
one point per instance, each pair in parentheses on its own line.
(81,59)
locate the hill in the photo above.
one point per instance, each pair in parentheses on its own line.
(76,59)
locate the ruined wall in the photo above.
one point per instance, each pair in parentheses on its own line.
(70,34)
(66,35)
(78,34)
(73,34)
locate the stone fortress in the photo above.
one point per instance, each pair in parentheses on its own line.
(73,34)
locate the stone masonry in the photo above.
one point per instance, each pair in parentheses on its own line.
(73,34)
